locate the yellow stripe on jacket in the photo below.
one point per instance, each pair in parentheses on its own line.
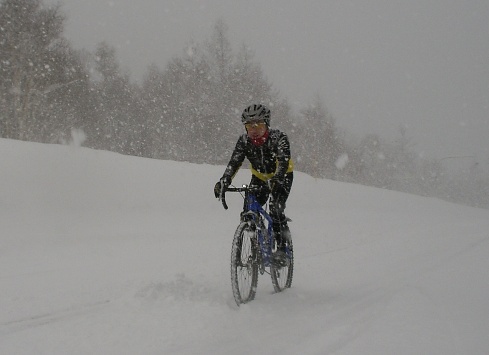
(266,177)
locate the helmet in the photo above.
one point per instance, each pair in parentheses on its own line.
(255,113)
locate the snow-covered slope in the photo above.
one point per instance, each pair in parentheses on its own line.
(106,254)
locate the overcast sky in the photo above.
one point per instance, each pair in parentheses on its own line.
(377,64)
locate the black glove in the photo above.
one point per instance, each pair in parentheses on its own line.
(221,186)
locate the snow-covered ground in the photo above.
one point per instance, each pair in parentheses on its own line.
(107,254)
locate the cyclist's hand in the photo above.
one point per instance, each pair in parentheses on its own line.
(221,186)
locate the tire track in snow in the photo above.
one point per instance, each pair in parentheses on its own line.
(38,320)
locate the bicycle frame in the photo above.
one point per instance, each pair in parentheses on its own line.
(265,237)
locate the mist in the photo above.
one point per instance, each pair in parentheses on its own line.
(392,77)
(378,65)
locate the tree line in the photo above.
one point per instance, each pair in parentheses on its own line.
(188,111)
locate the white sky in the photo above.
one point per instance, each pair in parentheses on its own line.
(377,64)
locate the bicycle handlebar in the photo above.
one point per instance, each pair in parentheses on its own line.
(245,188)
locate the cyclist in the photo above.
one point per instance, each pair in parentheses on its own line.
(268,151)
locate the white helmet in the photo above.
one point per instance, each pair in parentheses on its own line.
(256,113)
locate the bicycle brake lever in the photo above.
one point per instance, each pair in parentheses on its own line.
(222,197)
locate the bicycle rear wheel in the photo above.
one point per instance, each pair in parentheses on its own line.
(282,276)
(244,267)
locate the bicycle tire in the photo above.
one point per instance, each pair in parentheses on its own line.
(244,265)
(282,276)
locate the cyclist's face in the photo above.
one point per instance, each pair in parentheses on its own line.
(256,129)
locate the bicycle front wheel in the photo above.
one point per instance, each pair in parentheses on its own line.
(244,266)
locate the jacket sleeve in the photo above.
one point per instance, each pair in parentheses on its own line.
(283,156)
(237,158)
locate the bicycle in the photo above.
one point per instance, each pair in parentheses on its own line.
(253,247)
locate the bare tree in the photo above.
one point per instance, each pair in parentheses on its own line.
(33,64)
(320,145)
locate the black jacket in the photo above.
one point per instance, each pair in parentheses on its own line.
(268,160)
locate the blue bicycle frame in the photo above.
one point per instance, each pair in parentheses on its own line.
(254,209)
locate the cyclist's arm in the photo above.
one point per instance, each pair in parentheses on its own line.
(237,158)
(283,156)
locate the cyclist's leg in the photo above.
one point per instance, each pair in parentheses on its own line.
(277,211)
(262,196)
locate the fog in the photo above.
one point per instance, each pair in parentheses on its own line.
(378,65)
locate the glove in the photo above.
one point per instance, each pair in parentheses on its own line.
(221,186)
